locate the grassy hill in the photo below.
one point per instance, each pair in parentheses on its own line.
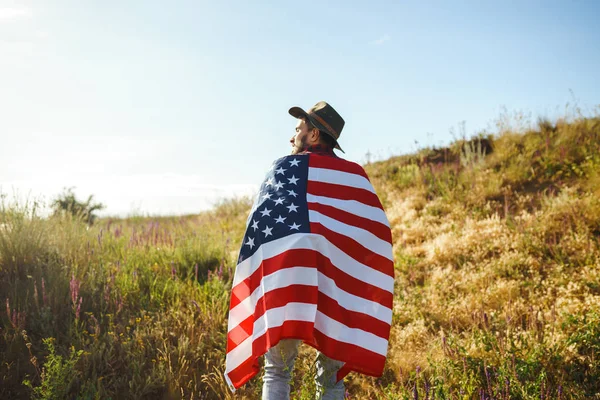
(497,294)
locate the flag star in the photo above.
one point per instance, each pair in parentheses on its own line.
(269,182)
(292,207)
(280,171)
(294,226)
(266,212)
(293,180)
(279,201)
(278,185)
(292,193)
(250,242)
(294,162)
(267,196)
(267,231)
(280,219)
(254,225)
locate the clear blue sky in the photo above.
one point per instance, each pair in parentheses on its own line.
(162,107)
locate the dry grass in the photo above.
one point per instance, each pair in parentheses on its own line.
(497,294)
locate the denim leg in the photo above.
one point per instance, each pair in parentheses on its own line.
(327,388)
(279,364)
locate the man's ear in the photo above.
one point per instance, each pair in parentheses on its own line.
(316,135)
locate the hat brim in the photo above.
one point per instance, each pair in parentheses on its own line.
(299,113)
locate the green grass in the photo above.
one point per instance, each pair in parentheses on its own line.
(497,294)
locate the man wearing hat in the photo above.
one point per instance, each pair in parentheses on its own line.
(317,131)
(316,266)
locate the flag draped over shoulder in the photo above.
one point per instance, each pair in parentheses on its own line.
(315,264)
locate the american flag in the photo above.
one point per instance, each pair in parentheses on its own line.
(315,264)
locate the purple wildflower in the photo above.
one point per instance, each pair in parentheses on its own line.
(35,295)
(75,298)
(44,296)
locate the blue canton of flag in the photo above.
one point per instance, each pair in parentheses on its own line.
(280,208)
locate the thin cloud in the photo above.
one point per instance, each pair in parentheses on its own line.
(9,13)
(381,40)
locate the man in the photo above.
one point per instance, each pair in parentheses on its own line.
(320,272)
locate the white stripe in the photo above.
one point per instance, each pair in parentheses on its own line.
(340,332)
(353,207)
(275,317)
(362,236)
(318,243)
(279,279)
(351,302)
(306,276)
(326,175)
(238,355)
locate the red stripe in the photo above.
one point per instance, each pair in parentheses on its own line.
(356,358)
(376,228)
(290,329)
(352,285)
(338,164)
(352,319)
(309,294)
(274,299)
(244,372)
(282,296)
(343,193)
(240,292)
(240,333)
(354,249)
(314,259)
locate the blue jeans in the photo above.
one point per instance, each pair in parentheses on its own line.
(279,363)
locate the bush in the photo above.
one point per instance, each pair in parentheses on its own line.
(68,203)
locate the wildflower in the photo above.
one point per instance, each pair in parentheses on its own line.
(78,309)
(44,296)
(74,289)
(35,295)
(173,271)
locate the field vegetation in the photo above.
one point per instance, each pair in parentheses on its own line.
(497,254)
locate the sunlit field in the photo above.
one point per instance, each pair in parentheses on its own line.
(497,255)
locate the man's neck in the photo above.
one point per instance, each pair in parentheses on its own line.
(319,148)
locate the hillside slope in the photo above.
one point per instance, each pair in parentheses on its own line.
(498,263)
(497,284)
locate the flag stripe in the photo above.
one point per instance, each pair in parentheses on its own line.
(353,319)
(343,193)
(359,235)
(300,294)
(322,272)
(339,178)
(362,360)
(353,207)
(313,259)
(281,278)
(255,304)
(359,358)
(276,317)
(355,250)
(306,312)
(340,332)
(376,228)
(337,164)
(238,333)
(341,260)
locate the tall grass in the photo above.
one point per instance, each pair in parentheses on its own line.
(497,294)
